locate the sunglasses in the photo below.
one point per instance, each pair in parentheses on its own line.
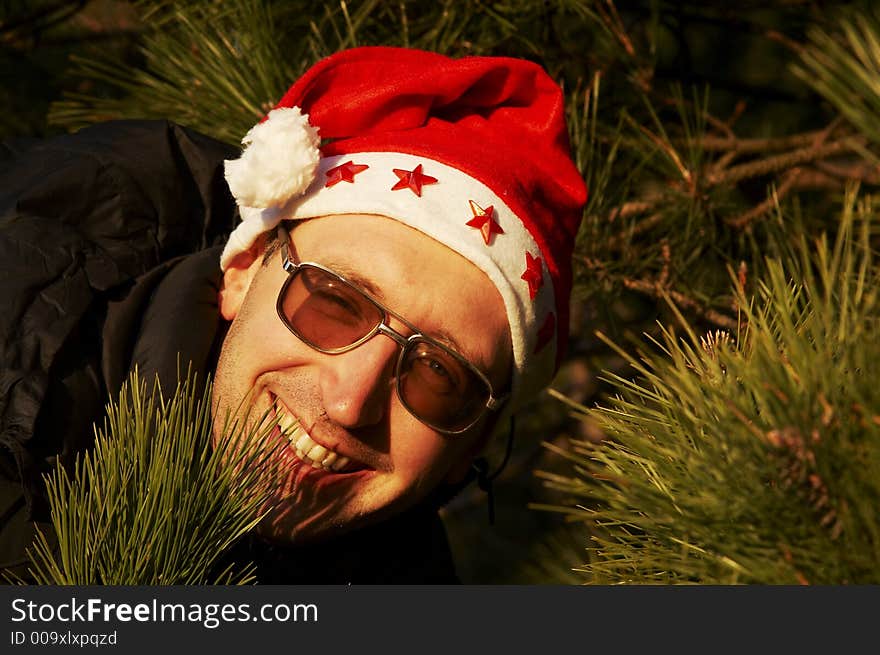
(328,313)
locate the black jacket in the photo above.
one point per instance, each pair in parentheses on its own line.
(109,255)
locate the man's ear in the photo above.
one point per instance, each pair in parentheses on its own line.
(237,279)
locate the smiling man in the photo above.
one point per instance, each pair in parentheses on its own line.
(378,406)
(396,287)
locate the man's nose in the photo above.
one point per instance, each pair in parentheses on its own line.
(356,385)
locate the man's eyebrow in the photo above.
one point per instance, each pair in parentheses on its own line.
(448,340)
(355,278)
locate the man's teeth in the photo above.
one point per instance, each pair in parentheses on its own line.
(308,451)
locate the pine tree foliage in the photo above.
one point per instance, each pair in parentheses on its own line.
(220,66)
(749,456)
(843,66)
(212,66)
(154,503)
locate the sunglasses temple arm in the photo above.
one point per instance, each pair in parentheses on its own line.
(485,479)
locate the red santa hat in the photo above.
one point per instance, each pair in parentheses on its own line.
(473,152)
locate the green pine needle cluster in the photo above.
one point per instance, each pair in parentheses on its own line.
(216,67)
(750,457)
(154,503)
(220,67)
(843,65)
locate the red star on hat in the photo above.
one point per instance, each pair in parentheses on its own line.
(533,274)
(484,222)
(344,173)
(413,180)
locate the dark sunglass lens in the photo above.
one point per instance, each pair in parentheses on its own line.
(326,312)
(439,389)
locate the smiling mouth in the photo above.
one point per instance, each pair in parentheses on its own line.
(307,450)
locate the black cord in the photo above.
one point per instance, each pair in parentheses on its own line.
(484,479)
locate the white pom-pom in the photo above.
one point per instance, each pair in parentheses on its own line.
(279,160)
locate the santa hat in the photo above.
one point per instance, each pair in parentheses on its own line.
(472,152)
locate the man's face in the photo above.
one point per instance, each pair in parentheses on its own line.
(347,403)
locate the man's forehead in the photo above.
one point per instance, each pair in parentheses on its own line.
(377,253)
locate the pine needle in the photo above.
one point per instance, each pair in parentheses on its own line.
(154,503)
(748,461)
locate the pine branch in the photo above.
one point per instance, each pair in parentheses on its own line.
(843,66)
(747,457)
(765,207)
(785,161)
(155,502)
(741,145)
(616,242)
(40,19)
(658,291)
(217,67)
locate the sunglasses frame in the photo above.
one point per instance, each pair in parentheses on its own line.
(292,268)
